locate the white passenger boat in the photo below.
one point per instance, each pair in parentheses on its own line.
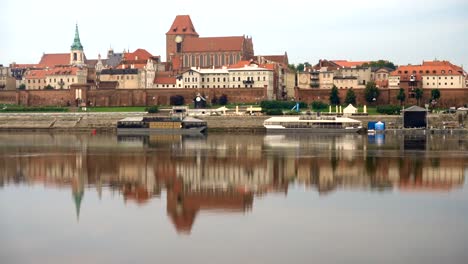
(312,124)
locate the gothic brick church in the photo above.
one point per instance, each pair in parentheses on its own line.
(185,48)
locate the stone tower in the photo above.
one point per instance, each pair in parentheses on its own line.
(76,54)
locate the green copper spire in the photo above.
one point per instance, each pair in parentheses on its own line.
(76,42)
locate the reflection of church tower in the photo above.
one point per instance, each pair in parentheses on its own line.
(76,53)
(77,198)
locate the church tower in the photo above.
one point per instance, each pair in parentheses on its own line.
(76,54)
(181,29)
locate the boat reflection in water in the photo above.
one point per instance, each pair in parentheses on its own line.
(225,173)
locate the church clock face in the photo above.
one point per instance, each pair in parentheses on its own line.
(303,78)
(178,39)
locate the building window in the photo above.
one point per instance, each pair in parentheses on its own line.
(202,79)
(264,78)
(258,78)
(238,79)
(443,71)
(233,79)
(218,79)
(445,77)
(427,83)
(445,83)
(207,79)
(224,79)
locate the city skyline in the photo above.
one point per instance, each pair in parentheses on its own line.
(370,30)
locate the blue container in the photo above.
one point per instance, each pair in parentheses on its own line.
(371,125)
(379,126)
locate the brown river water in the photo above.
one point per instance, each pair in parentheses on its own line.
(235,198)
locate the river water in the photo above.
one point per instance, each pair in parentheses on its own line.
(81,198)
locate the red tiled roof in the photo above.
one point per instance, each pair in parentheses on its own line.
(182,25)
(62,71)
(276,58)
(35,74)
(42,73)
(51,60)
(165,80)
(139,54)
(349,64)
(213,44)
(242,64)
(428,68)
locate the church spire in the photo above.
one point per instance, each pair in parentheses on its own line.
(76,42)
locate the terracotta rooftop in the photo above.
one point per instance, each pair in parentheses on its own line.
(42,73)
(182,25)
(349,64)
(51,60)
(429,68)
(165,80)
(276,58)
(245,63)
(35,74)
(139,54)
(213,44)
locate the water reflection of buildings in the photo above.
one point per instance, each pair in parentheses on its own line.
(220,173)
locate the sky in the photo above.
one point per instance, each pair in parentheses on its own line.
(402,31)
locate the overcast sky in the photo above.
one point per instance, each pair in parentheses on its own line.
(401,31)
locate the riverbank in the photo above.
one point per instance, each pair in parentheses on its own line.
(246,123)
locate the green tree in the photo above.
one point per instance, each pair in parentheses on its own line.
(435,94)
(418,94)
(401,96)
(292,67)
(371,92)
(22,87)
(350,97)
(334,97)
(48,87)
(300,67)
(380,64)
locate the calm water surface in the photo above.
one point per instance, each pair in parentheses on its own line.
(67,198)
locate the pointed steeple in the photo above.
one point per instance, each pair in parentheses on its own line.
(76,42)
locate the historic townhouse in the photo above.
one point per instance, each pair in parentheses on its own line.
(428,75)
(343,74)
(244,75)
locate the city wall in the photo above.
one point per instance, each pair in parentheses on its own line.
(448,98)
(125,97)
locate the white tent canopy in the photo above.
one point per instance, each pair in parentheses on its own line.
(350,109)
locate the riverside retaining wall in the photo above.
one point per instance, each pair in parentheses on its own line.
(108,121)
